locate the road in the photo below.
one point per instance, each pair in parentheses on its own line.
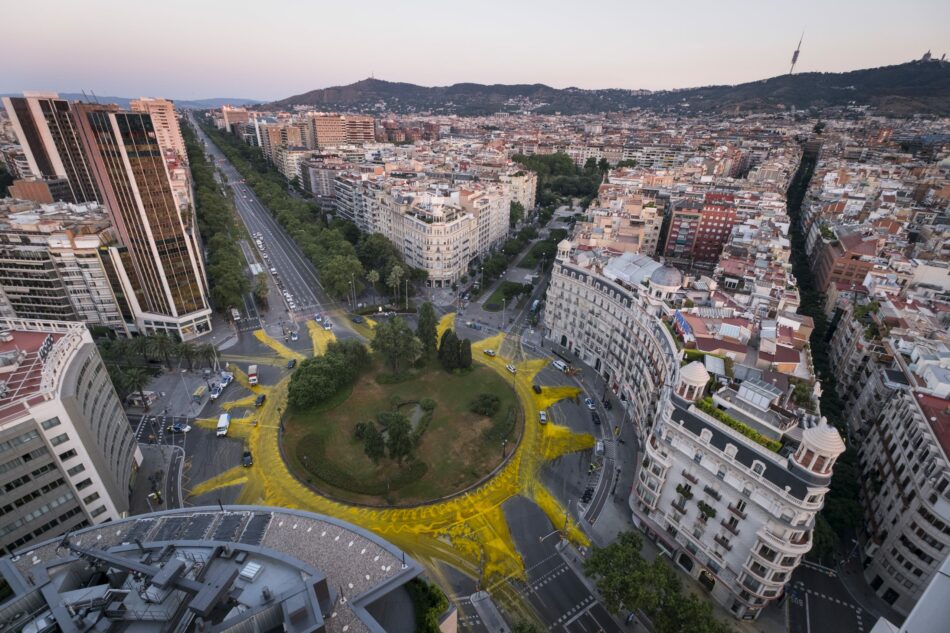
(819,602)
(557,593)
(296,273)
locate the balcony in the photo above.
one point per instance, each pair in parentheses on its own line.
(690,477)
(736,511)
(712,492)
(723,542)
(731,528)
(796,546)
(680,506)
(686,494)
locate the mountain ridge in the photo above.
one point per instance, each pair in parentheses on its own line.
(912,87)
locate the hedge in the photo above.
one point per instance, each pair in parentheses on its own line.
(501,429)
(429,603)
(331,474)
(707,406)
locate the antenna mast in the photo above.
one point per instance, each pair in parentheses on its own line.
(795,54)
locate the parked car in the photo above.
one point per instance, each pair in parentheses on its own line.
(589,404)
(356,318)
(327,324)
(215,392)
(511,368)
(595,417)
(226,379)
(260,400)
(247,460)
(543,416)
(607,404)
(536,388)
(490,352)
(294,336)
(178,427)
(291,363)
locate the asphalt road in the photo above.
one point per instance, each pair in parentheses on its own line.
(558,595)
(295,271)
(819,602)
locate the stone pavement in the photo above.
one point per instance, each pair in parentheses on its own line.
(851,574)
(488,613)
(151,477)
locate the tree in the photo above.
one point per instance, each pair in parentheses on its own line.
(525,627)
(628,582)
(165,347)
(396,343)
(135,379)
(603,166)
(486,404)
(141,345)
(187,353)
(515,213)
(374,445)
(395,276)
(465,354)
(399,436)
(206,354)
(261,290)
(340,273)
(373,278)
(426,329)
(449,350)
(356,355)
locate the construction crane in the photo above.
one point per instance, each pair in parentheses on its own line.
(795,54)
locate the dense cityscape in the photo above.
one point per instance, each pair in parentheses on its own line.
(381,357)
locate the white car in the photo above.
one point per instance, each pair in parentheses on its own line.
(590,404)
(490,352)
(293,336)
(215,392)
(511,368)
(543,416)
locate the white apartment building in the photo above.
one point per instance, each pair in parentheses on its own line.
(730,511)
(67,452)
(524,187)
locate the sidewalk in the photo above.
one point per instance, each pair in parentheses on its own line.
(151,477)
(851,574)
(488,612)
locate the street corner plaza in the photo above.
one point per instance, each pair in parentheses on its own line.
(468,531)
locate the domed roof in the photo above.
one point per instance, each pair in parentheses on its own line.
(823,439)
(667,276)
(695,373)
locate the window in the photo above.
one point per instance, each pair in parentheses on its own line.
(59,439)
(75,470)
(48,424)
(90,498)
(68,454)
(758,468)
(85,483)
(98,511)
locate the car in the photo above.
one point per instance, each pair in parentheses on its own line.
(215,392)
(490,352)
(318,318)
(511,369)
(273,270)
(178,427)
(536,388)
(543,417)
(595,417)
(607,404)
(247,460)
(294,336)
(356,318)
(226,379)
(327,324)
(260,400)
(589,404)
(291,363)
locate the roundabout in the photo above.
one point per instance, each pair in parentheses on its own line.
(468,531)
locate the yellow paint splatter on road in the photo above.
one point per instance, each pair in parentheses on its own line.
(319,337)
(447,321)
(243,402)
(231,477)
(469,531)
(282,350)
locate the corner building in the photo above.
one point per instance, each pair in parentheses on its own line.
(67,452)
(731,512)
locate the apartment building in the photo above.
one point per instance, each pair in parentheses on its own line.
(329,130)
(318,176)
(735,513)
(165,124)
(49,139)
(231,116)
(68,455)
(160,257)
(55,264)
(523,185)
(699,230)
(846,259)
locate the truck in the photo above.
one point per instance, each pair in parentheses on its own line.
(252,375)
(224,423)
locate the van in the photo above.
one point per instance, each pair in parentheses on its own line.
(560,364)
(599,448)
(224,423)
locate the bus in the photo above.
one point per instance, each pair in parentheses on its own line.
(199,393)
(252,375)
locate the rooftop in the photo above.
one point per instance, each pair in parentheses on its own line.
(212,568)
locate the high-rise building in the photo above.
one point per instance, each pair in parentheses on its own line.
(67,452)
(164,122)
(329,130)
(55,263)
(48,135)
(699,230)
(168,279)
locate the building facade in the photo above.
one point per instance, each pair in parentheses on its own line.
(68,455)
(165,124)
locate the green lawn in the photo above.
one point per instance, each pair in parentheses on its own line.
(494,302)
(453,453)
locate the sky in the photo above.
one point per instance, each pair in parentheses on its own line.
(269,49)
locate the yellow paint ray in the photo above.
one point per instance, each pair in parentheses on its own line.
(559,440)
(231,477)
(446,322)
(319,337)
(552,395)
(247,401)
(240,377)
(253,360)
(282,350)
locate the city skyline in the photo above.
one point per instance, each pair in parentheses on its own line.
(524,44)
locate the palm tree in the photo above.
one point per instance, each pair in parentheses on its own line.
(136,379)
(188,353)
(141,345)
(373,278)
(164,347)
(207,354)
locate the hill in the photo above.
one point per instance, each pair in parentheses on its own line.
(913,87)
